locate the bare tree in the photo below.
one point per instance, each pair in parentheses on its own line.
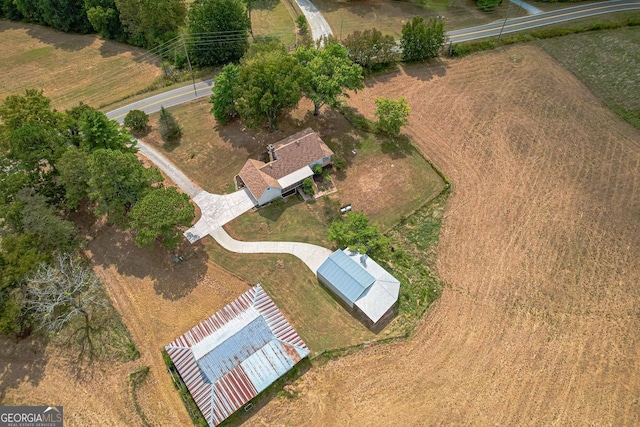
(63,295)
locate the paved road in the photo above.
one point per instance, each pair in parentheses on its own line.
(166,99)
(317,24)
(527,22)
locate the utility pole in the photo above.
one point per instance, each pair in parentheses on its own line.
(186,52)
(505,20)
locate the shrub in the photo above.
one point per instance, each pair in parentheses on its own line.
(307,187)
(136,121)
(317,169)
(168,126)
(339,162)
(301,22)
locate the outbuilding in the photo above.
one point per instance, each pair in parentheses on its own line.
(362,284)
(232,356)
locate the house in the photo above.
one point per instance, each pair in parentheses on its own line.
(232,356)
(362,284)
(290,162)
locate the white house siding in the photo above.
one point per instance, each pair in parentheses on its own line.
(271,193)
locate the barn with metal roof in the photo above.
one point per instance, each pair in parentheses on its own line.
(231,357)
(361,283)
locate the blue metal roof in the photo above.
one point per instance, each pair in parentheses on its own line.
(235,349)
(345,275)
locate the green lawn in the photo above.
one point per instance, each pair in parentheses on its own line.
(274,18)
(608,62)
(315,314)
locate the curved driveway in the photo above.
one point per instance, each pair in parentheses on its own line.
(317,24)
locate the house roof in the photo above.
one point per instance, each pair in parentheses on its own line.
(293,153)
(345,275)
(362,281)
(255,180)
(229,358)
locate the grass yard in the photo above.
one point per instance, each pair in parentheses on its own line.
(315,314)
(69,67)
(608,63)
(345,17)
(274,18)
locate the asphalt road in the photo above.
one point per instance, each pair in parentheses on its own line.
(317,24)
(203,89)
(527,22)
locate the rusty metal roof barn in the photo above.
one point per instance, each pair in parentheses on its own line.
(231,357)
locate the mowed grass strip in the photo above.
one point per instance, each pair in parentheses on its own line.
(273,18)
(608,63)
(69,67)
(345,17)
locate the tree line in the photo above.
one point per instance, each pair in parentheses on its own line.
(55,163)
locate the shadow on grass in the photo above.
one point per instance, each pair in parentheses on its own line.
(421,71)
(397,147)
(171,280)
(22,362)
(264,4)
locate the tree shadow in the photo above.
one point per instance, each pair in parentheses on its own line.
(22,361)
(421,71)
(69,42)
(398,147)
(175,274)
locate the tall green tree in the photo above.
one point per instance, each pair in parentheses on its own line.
(74,176)
(371,49)
(358,234)
(159,216)
(65,15)
(421,41)
(151,22)
(222,96)
(118,181)
(99,132)
(218,31)
(33,106)
(392,115)
(331,73)
(104,17)
(270,82)
(168,127)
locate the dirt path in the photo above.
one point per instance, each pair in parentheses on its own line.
(539,322)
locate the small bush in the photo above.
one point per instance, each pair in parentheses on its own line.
(339,162)
(136,121)
(301,22)
(307,187)
(317,169)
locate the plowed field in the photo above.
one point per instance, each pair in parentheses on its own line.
(539,322)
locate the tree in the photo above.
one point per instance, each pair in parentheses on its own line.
(118,181)
(136,121)
(65,15)
(105,18)
(99,132)
(421,41)
(159,215)
(371,50)
(224,105)
(151,22)
(37,218)
(269,83)
(218,31)
(332,72)
(74,175)
(33,106)
(303,26)
(356,233)
(168,127)
(66,296)
(392,114)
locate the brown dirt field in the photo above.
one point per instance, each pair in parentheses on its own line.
(539,321)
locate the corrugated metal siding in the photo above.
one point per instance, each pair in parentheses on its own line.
(281,349)
(348,277)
